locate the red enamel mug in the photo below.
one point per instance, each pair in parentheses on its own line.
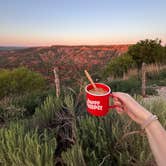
(98,104)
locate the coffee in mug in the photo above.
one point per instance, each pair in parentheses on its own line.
(97,100)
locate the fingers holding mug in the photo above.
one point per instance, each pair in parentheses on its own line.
(119,109)
(118,103)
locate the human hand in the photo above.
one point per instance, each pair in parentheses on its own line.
(128,105)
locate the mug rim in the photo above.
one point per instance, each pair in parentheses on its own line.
(109,91)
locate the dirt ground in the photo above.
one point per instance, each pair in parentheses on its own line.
(162,92)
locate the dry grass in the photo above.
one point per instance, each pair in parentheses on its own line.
(152,68)
(155,68)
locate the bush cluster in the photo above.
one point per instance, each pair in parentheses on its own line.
(147,51)
(20,147)
(131,86)
(99,140)
(20,81)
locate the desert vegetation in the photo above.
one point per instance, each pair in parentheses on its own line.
(39,128)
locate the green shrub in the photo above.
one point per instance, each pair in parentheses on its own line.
(119,65)
(54,109)
(58,115)
(74,156)
(19,147)
(19,107)
(47,111)
(157,78)
(148,51)
(20,81)
(9,111)
(100,140)
(106,140)
(30,101)
(131,86)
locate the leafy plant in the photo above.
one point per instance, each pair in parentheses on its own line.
(119,65)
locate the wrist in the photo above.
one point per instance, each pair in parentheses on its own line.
(145,115)
(148,121)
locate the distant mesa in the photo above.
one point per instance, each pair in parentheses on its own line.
(69,59)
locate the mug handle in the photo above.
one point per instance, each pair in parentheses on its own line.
(115,105)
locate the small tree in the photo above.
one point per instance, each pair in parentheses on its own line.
(119,65)
(148,51)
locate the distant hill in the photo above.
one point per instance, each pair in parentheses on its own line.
(2,48)
(71,60)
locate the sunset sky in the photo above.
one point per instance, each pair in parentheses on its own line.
(76,22)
